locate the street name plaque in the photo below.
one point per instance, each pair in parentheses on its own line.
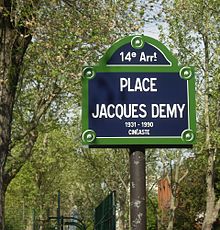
(138,95)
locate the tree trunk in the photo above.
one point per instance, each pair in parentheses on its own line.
(13,44)
(212,207)
(171,213)
(2,203)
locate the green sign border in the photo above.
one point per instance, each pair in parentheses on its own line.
(187,138)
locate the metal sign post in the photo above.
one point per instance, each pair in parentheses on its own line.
(137,189)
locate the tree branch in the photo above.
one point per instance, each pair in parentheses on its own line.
(17,164)
(184,175)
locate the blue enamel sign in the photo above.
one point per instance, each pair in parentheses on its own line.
(138,95)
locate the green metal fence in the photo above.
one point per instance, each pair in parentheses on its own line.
(105,213)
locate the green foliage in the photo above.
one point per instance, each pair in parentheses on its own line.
(192,32)
(152,212)
(20,198)
(46,155)
(192,194)
(84,179)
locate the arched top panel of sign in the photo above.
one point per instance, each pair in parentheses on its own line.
(139,51)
